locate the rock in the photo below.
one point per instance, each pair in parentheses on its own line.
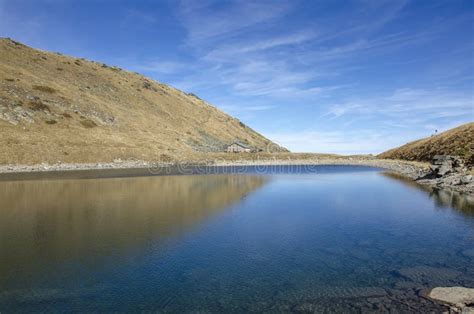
(448,171)
(427,273)
(434,168)
(444,169)
(450,180)
(468,253)
(440,158)
(466,179)
(458,297)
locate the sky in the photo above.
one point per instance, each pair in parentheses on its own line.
(333,76)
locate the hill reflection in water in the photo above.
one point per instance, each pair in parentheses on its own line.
(46,223)
(460,202)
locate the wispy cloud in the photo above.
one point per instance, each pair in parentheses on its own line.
(229,51)
(376,123)
(208,20)
(158,67)
(241,46)
(240,109)
(407,106)
(369,141)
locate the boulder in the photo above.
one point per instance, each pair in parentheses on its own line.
(466,179)
(439,159)
(445,168)
(446,164)
(451,180)
(459,298)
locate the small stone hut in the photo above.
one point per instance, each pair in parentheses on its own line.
(238,147)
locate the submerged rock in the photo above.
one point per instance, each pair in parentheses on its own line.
(468,253)
(427,273)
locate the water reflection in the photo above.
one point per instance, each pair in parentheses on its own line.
(461,202)
(47,223)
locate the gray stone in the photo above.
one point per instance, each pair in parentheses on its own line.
(434,168)
(466,179)
(450,180)
(468,310)
(459,298)
(443,165)
(445,169)
(441,158)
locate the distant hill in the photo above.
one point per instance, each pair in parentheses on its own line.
(458,141)
(59,108)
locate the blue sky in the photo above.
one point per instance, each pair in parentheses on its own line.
(320,76)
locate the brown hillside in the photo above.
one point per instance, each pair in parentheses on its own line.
(458,141)
(58,108)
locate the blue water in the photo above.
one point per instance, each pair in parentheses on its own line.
(327,238)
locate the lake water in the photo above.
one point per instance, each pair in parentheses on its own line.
(321,238)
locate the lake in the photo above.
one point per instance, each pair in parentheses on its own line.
(275,239)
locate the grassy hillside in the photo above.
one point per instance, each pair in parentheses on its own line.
(58,108)
(458,141)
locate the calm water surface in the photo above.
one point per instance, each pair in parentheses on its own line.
(334,238)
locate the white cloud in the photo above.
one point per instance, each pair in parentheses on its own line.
(405,104)
(239,49)
(230,51)
(240,109)
(337,142)
(159,67)
(204,21)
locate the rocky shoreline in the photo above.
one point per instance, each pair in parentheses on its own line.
(453,178)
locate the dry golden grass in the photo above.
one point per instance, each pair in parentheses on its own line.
(102,113)
(458,141)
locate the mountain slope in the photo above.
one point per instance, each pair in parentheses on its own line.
(458,141)
(58,108)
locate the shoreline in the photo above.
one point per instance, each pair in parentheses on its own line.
(137,164)
(131,168)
